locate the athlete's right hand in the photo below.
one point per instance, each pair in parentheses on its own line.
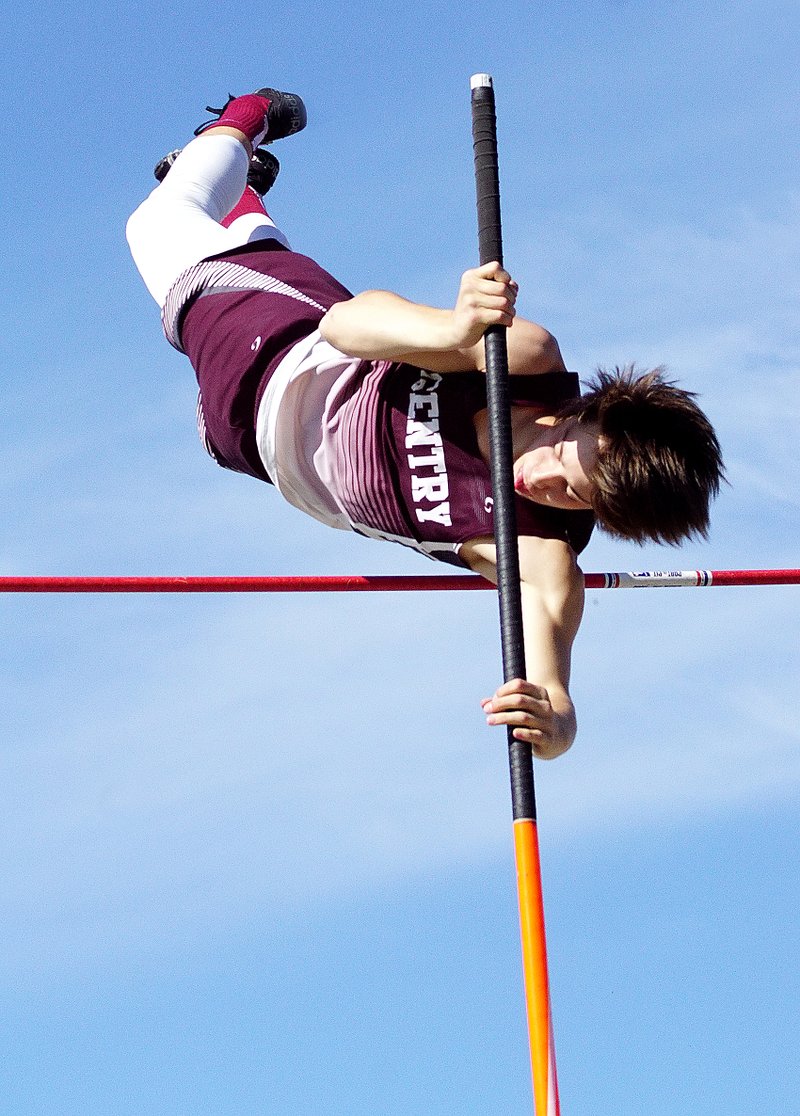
(526,709)
(486,297)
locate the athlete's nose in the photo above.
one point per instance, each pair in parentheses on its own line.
(540,474)
(537,485)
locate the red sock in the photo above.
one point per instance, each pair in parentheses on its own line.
(248,114)
(250,202)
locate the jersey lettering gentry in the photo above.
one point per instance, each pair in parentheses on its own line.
(429,483)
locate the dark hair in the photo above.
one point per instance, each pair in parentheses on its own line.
(659,462)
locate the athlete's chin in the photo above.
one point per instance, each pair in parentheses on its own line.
(547,501)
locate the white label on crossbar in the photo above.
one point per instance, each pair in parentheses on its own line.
(649,578)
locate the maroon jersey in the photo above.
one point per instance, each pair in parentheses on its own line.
(394,448)
(409,464)
(235,316)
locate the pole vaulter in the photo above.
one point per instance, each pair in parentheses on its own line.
(520,756)
(364,413)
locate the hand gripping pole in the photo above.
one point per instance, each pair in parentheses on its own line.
(523,797)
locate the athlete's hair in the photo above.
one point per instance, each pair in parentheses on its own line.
(659,462)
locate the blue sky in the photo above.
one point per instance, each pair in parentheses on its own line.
(256,852)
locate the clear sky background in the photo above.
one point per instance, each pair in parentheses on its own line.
(256,852)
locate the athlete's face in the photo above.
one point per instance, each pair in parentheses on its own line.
(556,472)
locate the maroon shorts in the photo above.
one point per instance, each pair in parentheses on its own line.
(235,339)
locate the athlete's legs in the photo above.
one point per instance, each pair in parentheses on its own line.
(181,222)
(249,220)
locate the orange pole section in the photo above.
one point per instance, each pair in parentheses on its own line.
(534,965)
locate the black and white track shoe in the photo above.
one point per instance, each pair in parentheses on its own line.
(261,175)
(287,114)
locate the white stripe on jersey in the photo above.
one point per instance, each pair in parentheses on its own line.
(429,549)
(212,274)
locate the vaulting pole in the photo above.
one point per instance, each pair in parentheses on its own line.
(523,797)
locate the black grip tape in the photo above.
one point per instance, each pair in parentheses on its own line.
(490,244)
(487,180)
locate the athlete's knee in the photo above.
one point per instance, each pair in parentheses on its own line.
(139,223)
(153,223)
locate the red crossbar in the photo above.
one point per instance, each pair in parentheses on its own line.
(367,584)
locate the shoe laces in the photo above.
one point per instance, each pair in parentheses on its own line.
(217,114)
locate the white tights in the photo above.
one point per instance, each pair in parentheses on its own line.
(179,223)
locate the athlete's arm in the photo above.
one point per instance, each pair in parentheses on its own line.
(539,708)
(380,325)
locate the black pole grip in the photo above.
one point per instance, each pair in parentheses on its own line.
(487,179)
(490,246)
